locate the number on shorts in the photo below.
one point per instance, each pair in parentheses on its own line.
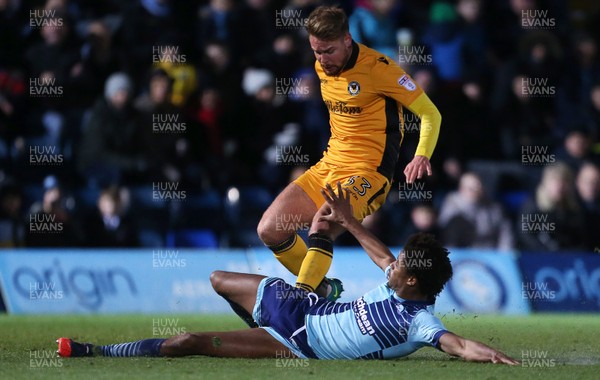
(363,186)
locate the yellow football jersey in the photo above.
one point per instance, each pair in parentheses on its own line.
(184,81)
(365,109)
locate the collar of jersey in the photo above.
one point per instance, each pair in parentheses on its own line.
(353,57)
(410,302)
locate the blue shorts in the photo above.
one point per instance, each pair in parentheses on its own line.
(281,309)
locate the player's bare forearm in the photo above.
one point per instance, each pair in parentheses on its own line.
(377,251)
(337,209)
(471,350)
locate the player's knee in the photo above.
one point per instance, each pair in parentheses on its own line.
(321,229)
(263,229)
(188,343)
(216,280)
(330,230)
(180,345)
(269,233)
(188,340)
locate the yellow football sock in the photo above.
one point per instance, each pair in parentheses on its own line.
(317,262)
(290,253)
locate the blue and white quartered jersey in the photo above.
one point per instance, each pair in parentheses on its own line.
(379,325)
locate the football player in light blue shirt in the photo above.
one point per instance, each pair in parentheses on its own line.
(390,321)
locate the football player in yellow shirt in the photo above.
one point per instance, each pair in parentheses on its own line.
(364,92)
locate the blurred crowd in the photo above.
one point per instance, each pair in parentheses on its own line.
(128,123)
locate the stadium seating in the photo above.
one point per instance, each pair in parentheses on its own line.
(149,238)
(198,210)
(192,238)
(244,207)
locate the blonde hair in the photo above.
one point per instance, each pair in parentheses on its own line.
(327,23)
(561,171)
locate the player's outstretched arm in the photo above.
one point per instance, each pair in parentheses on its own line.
(337,209)
(471,350)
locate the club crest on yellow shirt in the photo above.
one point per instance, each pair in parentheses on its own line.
(353,88)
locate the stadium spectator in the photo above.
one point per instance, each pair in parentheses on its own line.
(12,226)
(373,23)
(227,23)
(311,115)
(145,25)
(217,21)
(221,72)
(11,40)
(452,171)
(426,78)
(468,218)
(575,104)
(269,122)
(587,184)
(525,120)
(12,104)
(175,62)
(207,137)
(504,25)
(540,56)
(594,111)
(552,220)
(473,29)
(284,58)
(260,17)
(54,67)
(467,138)
(100,58)
(51,221)
(302,137)
(576,149)
(445,41)
(164,129)
(157,97)
(526,67)
(56,54)
(110,225)
(110,148)
(209,113)
(474,132)
(423,218)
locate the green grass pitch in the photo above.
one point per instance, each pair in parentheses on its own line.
(560,346)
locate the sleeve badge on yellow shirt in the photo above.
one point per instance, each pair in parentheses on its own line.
(353,88)
(407,83)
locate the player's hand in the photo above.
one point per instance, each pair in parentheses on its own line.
(338,205)
(500,358)
(417,168)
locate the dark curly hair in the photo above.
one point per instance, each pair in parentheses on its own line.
(427,260)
